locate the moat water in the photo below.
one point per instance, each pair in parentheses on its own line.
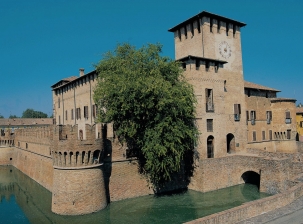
(23,200)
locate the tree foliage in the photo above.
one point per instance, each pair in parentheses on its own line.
(30,113)
(150,104)
(1,116)
(13,116)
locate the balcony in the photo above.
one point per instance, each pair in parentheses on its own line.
(210,107)
(268,121)
(253,122)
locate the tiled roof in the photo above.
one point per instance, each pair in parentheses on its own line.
(251,85)
(72,78)
(299,110)
(282,99)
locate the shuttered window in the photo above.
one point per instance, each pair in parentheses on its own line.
(86,112)
(72,114)
(237,111)
(209,123)
(254,136)
(287,117)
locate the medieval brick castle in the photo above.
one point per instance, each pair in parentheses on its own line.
(244,129)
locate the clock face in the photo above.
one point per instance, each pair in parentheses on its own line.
(225,49)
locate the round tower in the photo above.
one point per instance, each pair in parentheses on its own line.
(78,183)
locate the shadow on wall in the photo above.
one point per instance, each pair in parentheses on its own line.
(107,159)
(251,177)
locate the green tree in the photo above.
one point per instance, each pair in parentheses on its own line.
(1,116)
(30,113)
(151,106)
(12,116)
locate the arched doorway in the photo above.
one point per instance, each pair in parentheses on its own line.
(210,147)
(231,143)
(251,177)
(297,137)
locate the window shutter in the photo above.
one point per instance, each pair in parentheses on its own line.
(236,109)
(287,114)
(247,115)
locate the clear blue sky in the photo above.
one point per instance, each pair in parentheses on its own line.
(43,41)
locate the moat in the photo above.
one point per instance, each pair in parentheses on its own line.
(25,201)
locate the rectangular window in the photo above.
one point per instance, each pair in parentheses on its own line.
(234,30)
(218,28)
(217,68)
(287,117)
(270,134)
(263,135)
(247,116)
(207,66)
(268,117)
(254,136)
(58,102)
(211,25)
(185,32)
(59,120)
(209,125)
(237,112)
(197,64)
(198,25)
(72,114)
(288,134)
(179,34)
(253,117)
(78,113)
(209,100)
(192,29)
(85,112)
(94,110)
(66,115)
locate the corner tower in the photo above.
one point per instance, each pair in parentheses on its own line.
(209,47)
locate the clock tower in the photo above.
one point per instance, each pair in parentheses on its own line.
(209,49)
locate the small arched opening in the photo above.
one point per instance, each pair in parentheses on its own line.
(210,146)
(96,156)
(65,158)
(297,137)
(251,177)
(231,144)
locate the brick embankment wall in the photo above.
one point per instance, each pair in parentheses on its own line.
(254,208)
(6,155)
(37,167)
(124,180)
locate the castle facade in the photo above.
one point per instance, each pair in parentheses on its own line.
(245,130)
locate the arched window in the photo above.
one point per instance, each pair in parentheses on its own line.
(210,147)
(230,141)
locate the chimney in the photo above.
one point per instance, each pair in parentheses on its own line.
(81,72)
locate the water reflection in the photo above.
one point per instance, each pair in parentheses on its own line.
(27,202)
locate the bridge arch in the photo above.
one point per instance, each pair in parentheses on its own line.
(251,177)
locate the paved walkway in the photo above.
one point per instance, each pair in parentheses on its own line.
(290,214)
